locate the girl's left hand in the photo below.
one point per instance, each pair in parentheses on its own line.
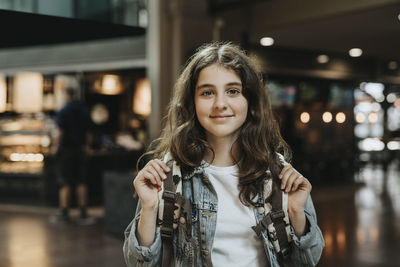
(297,187)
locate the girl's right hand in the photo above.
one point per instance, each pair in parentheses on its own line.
(148,181)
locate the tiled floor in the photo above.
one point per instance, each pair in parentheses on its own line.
(360,223)
(28,239)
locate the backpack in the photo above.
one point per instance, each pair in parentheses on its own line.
(174,208)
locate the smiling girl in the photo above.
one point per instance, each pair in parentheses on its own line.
(223,143)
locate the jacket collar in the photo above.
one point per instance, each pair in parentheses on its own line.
(189,172)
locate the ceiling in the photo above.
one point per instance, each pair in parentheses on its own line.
(376,30)
(21,29)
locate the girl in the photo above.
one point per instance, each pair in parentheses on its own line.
(223,139)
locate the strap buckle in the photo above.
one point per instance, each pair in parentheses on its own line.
(169,196)
(277,215)
(166,232)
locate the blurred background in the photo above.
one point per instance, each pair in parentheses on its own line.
(332,70)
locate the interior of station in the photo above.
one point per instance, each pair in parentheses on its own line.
(331,70)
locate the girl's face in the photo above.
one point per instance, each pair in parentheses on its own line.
(220,105)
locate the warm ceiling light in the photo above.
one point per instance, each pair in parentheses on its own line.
(322,59)
(327,117)
(142,98)
(373,117)
(266,41)
(28,92)
(340,117)
(111,85)
(355,52)
(3,93)
(360,117)
(305,117)
(392,65)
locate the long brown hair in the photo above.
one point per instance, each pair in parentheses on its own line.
(259,139)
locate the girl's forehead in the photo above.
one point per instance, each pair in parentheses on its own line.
(217,70)
(216,78)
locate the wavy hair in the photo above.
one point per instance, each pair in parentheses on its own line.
(259,140)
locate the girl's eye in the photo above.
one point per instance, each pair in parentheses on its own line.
(233,91)
(206,93)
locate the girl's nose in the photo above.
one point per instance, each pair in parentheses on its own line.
(220,102)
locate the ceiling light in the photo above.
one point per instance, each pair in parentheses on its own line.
(267,41)
(142,98)
(3,93)
(392,65)
(327,117)
(322,59)
(371,144)
(305,117)
(393,145)
(355,52)
(390,98)
(360,117)
(340,117)
(373,117)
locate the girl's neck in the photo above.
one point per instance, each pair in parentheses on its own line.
(223,152)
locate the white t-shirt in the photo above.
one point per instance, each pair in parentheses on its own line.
(235,242)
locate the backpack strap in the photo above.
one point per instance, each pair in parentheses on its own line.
(167,220)
(171,201)
(276,222)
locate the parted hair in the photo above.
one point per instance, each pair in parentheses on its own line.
(259,140)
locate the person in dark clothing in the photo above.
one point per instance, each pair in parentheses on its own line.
(74,123)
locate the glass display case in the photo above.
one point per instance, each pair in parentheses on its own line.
(25,142)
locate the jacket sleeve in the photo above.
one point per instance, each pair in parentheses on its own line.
(136,255)
(307,249)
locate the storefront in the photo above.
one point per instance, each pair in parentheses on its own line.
(118,102)
(111,76)
(335,112)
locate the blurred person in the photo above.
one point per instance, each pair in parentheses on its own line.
(72,146)
(222,146)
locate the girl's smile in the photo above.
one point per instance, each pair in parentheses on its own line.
(221,118)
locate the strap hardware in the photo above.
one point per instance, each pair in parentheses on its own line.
(166,232)
(169,196)
(277,215)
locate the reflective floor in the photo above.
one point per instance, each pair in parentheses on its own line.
(29,239)
(360,223)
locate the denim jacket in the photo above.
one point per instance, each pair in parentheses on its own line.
(306,250)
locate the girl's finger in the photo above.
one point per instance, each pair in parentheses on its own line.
(158,167)
(285,177)
(285,169)
(291,179)
(148,177)
(163,165)
(154,174)
(297,182)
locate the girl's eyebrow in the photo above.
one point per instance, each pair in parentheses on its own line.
(234,84)
(206,85)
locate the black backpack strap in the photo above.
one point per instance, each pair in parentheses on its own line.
(169,196)
(275,225)
(172,200)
